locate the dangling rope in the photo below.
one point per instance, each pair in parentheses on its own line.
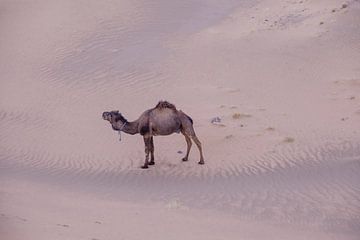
(121,128)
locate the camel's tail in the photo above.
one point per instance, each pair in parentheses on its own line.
(184,114)
(192,122)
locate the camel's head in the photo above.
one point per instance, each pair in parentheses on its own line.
(107,116)
(113,116)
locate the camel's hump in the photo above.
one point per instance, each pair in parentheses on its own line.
(165,104)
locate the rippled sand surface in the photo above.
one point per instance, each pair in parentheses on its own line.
(284,79)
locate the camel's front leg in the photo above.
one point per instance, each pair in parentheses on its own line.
(147,141)
(152,160)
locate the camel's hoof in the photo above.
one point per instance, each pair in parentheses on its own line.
(144,167)
(201,162)
(184,159)
(151,163)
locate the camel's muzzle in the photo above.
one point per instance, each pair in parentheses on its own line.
(105,115)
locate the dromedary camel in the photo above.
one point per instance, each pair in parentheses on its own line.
(164,119)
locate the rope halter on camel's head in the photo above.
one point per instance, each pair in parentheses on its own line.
(120,129)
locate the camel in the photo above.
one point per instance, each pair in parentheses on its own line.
(164,119)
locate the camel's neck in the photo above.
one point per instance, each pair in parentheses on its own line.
(129,127)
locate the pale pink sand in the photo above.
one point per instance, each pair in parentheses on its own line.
(284,77)
(49,213)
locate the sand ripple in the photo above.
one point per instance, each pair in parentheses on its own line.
(292,185)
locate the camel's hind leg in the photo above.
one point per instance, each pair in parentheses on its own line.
(188,143)
(147,141)
(198,144)
(189,134)
(152,160)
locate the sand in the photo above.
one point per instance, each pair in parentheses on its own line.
(282,77)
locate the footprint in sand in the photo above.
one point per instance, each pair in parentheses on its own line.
(20,218)
(352,82)
(63,225)
(229,136)
(289,140)
(240,115)
(270,129)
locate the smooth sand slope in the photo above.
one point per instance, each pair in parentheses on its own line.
(283,77)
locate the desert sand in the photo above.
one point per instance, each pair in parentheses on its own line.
(282,78)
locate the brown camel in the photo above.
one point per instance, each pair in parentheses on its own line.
(164,119)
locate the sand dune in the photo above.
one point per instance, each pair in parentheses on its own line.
(282,79)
